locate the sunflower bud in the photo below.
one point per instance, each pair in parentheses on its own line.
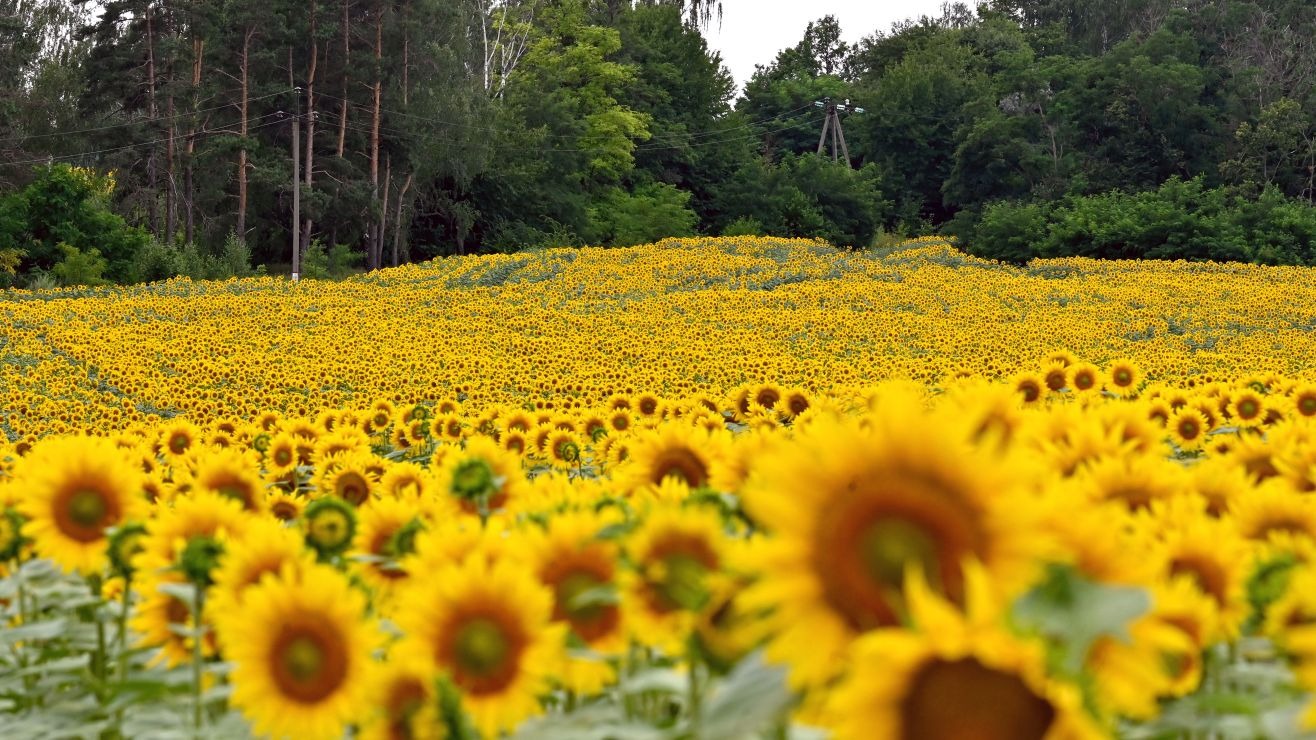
(330,526)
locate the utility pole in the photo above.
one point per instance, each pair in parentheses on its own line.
(832,124)
(296,184)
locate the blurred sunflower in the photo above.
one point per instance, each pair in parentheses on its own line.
(74,489)
(301,649)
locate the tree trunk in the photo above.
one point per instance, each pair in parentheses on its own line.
(189,190)
(241,226)
(171,176)
(310,124)
(397,227)
(383,212)
(342,105)
(374,238)
(152,167)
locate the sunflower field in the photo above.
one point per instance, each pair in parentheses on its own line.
(706,488)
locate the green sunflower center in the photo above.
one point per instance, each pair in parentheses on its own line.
(482,647)
(303,658)
(888,546)
(87,507)
(472,479)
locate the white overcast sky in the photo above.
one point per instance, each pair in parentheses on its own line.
(753,31)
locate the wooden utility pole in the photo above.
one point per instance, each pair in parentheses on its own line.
(296,185)
(832,124)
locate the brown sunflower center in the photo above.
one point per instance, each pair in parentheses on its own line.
(84,514)
(179,443)
(352,488)
(1208,576)
(864,541)
(283,456)
(310,662)
(284,510)
(590,618)
(965,699)
(1122,377)
(1083,380)
(238,491)
(676,572)
(1189,429)
(682,463)
(485,654)
(1307,405)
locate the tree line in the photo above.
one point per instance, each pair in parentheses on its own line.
(183,134)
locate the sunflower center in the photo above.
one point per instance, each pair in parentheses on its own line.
(237,491)
(86,507)
(1209,577)
(1307,406)
(681,463)
(473,478)
(1123,378)
(888,546)
(179,443)
(1084,380)
(310,663)
(1248,409)
(481,647)
(1188,429)
(965,699)
(591,618)
(282,456)
(352,488)
(330,529)
(865,539)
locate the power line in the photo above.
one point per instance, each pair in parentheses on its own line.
(80,155)
(487,129)
(134,123)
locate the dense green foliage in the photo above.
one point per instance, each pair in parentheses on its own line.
(429,127)
(1179,220)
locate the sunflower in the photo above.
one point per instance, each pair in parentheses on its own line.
(1303,400)
(163,620)
(1083,378)
(620,420)
(281,455)
(283,505)
(348,477)
(403,700)
(1274,508)
(954,678)
(231,474)
(268,548)
(1133,482)
(1187,428)
(1247,408)
(1123,377)
(486,627)
(1029,387)
(853,509)
(563,449)
(678,557)
(580,568)
(194,517)
(75,488)
(386,532)
(301,652)
(698,458)
(177,438)
(1212,556)
(482,478)
(406,479)
(513,441)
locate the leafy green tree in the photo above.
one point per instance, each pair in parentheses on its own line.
(67,207)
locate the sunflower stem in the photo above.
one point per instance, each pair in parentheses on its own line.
(197,602)
(696,695)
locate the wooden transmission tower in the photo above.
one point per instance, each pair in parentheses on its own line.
(832,123)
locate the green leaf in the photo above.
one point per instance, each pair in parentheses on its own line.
(752,697)
(661,680)
(34,631)
(1075,612)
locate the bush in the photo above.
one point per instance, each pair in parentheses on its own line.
(1182,219)
(652,212)
(69,206)
(79,267)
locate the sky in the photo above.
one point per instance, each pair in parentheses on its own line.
(753,31)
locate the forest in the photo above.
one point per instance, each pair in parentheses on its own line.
(143,139)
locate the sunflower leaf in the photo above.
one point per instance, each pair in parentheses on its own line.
(1074,612)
